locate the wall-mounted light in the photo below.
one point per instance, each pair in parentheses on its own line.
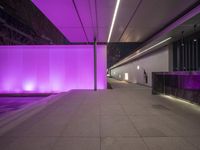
(113,20)
(1,7)
(182,39)
(29,86)
(120,76)
(195,39)
(126,76)
(138,67)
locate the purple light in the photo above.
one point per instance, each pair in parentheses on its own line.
(101,67)
(63,15)
(44,69)
(189,80)
(28,86)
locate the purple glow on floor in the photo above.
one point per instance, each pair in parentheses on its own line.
(48,69)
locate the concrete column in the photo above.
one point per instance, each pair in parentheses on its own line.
(95,64)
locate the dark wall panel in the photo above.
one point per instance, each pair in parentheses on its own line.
(186,53)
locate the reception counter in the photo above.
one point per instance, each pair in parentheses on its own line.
(185,85)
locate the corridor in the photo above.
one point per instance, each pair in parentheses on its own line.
(127,117)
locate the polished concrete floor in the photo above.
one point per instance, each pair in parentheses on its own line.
(127,117)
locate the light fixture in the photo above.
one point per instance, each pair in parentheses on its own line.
(138,67)
(181,100)
(113,20)
(195,39)
(167,39)
(38,68)
(1,7)
(182,39)
(144,51)
(29,86)
(126,76)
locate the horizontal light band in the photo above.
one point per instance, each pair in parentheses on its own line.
(137,54)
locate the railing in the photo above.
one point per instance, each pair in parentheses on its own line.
(185,85)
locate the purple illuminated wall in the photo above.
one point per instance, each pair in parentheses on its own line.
(44,69)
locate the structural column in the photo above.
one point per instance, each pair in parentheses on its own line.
(95,64)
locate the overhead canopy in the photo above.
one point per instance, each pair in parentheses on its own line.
(136,20)
(77,20)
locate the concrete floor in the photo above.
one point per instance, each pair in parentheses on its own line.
(125,118)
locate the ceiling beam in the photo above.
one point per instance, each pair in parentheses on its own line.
(79,17)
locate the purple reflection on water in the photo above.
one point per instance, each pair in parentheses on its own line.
(47,69)
(9,104)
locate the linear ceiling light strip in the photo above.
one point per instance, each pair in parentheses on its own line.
(113,20)
(146,50)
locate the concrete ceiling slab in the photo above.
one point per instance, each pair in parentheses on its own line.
(136,21)
(152,16)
